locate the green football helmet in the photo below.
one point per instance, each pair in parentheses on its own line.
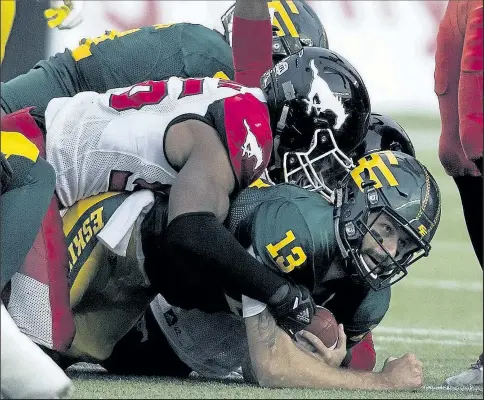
(399,186)
(294,26)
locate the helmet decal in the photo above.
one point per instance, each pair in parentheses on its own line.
(321,98)
(406,196)
(375,161)
(277,7)
(422,229)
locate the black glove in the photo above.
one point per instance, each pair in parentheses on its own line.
(292,307)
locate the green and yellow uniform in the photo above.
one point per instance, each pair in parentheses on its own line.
(288,228)
(108,292)
(24,202)
(119,59)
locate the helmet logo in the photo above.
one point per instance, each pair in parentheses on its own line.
(251,147)
(422,230)
(321,98)
(372,196)
(281,67)
(370,163)
(350,229)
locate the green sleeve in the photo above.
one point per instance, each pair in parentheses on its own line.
(22,210)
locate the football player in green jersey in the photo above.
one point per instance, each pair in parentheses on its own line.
(120,59)
(386,213)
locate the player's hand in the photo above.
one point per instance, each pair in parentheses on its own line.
(292,307)
(332,357)
(404,372)
(65,14)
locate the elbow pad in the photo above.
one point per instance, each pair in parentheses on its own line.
(199,260)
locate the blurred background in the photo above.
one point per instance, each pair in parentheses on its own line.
(391,43)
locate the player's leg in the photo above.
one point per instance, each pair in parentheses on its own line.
(470,189)
(27,372)
(48,79)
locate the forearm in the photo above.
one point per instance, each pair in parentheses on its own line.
(251,41)
(197,241)
(278,362)
(255,10)
(471,84)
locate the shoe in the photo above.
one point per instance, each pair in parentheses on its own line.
(471,376)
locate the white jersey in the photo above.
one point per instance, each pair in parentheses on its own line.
(115,141)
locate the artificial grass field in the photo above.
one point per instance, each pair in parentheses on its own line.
(435,312)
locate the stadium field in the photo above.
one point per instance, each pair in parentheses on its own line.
(436,312)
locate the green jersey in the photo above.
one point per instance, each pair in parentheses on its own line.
(289,228)
(120,59)
(292,230)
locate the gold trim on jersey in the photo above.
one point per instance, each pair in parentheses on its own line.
(81,223)
(259,183)
(14,143)
(221,75)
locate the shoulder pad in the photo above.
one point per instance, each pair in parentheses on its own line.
(294,234)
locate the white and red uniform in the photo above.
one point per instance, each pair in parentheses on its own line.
(115,140)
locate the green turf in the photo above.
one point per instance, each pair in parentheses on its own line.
(454,316)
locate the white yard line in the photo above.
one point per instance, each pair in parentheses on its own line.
(453,334)
(444,284)
(440,342)
(454,389)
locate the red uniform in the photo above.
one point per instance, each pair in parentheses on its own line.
(458,85)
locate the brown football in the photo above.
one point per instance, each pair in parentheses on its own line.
(325,327)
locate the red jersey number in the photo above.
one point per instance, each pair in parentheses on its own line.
(151,92)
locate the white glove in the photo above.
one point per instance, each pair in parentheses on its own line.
(65,14)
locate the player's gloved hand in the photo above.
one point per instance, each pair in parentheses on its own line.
(65,14)
(292,307)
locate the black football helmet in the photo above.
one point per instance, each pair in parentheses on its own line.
(384,133)
(320,111)
(399,186)
(294,25)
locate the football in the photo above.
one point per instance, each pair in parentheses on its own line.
(325,327)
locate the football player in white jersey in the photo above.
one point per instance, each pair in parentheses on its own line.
(206,139)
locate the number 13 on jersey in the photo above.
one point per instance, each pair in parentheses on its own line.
(288,263)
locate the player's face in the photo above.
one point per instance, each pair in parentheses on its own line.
(390,237)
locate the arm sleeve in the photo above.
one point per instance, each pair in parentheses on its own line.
(470,84)
(203,255)
(22,210)
(252,50)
